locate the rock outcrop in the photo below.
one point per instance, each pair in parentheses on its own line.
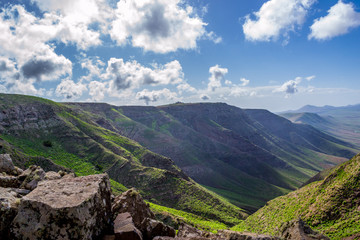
(9,202)
(299,230)
(71,208)
(124,228)
(131,202)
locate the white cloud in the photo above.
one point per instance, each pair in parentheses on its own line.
(24,39)
(289,87)
(155,95)
(204,97)
(160,26)
(276,18)
(341,18)
(131,74)
(244,82)
(311,78)
(185,87)
(97,90)
(217,75)
(73,20)
(70,90)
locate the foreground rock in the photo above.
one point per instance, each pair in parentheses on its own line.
(6,164)
(298,230)
(70,208)
(8,209)
(131,202)
(124,228)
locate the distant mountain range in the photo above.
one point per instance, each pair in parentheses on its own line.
(246,156)
(341,122)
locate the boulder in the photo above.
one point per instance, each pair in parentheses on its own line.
(187,231)
(8,181)
(52,175)
(232,235)
(71,208)
(125,229)
(298,230)
(6,164)
(31,177)
(8,210)
(152,228)
(131,202)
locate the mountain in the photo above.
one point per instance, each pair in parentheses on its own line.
(246,156)
(330,206)
(38,131)
(340,122)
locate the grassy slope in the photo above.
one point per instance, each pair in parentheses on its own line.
(330,206)
(249,165)
(80,144)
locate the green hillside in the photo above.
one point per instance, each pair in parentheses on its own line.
(246,156)
(330,206)
(35,130)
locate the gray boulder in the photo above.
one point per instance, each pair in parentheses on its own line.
(9,202)
(31,177)
(9,181)
(70,208)
(6,164)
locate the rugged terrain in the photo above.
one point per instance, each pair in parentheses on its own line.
(331,206)
(37,205)
(247,156)
(341,122)
(52,135)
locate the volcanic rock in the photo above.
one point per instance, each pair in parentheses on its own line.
(70,208)
(298,230)
(124,228)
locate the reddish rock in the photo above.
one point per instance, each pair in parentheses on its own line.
(125,229)
(131,202)
(152,228)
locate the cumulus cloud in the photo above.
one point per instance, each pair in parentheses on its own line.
(97,90)
(217,75)
(290,87)
(70,90)
(204,97)
(72,21)
(341,18)
(185,87)
(24,39)
(155,95)
(244,82)
(160,26)
(132,74)
(276,18)
(46,69)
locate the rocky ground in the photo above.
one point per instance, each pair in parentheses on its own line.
(57,205)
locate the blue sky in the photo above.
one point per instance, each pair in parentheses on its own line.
(274,54)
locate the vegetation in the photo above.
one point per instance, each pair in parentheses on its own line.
(60,135)
(329,206)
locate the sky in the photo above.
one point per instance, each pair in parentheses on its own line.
(269,54)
